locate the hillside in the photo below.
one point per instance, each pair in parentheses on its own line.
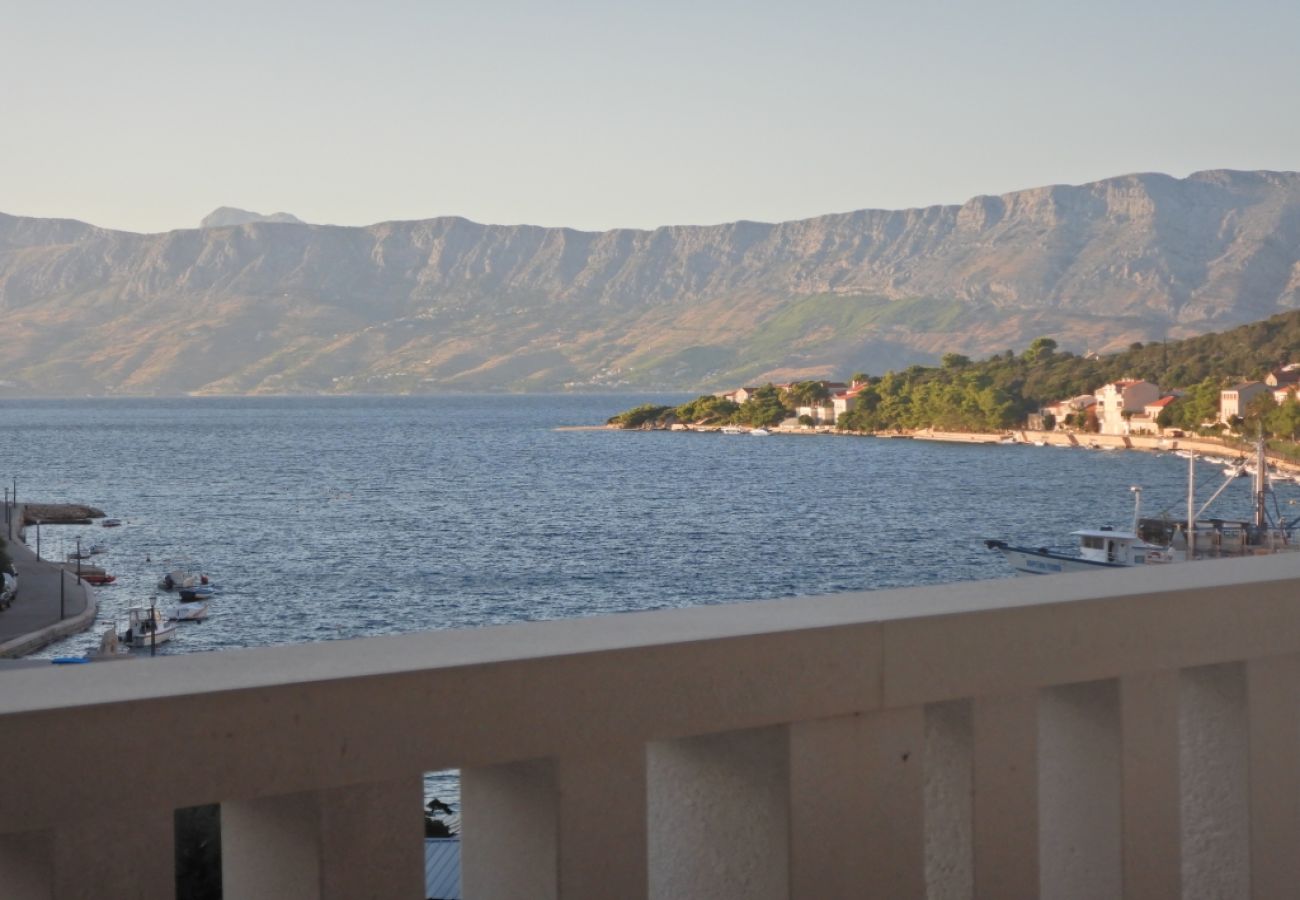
(448,304)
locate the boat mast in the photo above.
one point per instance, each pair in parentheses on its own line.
(1191,504)
(1261,483)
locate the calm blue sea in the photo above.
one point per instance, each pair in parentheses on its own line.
(331,518)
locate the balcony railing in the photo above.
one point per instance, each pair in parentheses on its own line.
(1129,734)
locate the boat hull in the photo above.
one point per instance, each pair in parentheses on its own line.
(1044,562)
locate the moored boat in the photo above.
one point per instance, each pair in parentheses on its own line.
(146,627)
(1159,541)
(192,611)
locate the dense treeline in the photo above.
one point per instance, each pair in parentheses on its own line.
(1001,391)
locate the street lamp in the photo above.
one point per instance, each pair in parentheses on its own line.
(78,559)
(38,540)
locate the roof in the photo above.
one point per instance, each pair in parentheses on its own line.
(442,868)
(1245,384)
(1163,401)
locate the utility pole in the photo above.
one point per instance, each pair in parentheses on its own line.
(38,540)
(63,580)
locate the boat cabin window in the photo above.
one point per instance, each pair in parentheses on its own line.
(1094,543)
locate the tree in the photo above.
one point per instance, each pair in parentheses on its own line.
(1039,349)
(955,361)
(763,408)
(1284,421)
(1258,413)
(807,393)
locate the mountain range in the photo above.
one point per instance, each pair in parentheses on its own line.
(248,304)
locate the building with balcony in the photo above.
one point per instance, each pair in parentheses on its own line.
(1134,734)
(1119,400)
(1234,400)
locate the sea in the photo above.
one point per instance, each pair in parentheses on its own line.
(323,519)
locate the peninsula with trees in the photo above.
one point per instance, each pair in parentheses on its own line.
(1240,381)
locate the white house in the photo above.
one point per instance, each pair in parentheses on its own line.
(1119,397)
(1234,400)
(1146,422)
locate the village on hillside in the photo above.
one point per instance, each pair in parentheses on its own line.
(1123,407)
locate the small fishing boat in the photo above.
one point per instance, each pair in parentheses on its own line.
(732,429)
(182,575)
(193,611)
(111,523)
(98,578)
(146,627)
(1159,541)
(759,432)
(196,592)
(1100,548)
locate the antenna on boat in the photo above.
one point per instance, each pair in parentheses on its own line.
(1261,482)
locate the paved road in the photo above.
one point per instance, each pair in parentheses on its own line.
(37,603)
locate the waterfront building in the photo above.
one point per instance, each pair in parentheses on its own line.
(1234,400)
(1129,396)
(1147,421)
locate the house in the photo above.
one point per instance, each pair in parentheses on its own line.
(844,401)
(739,395)
(1146,422)
(1119,400)
(1070,407)
(1234,400)
(1285,392)
(1287,376)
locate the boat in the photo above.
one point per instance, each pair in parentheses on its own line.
(196,592)
(111,523)
(1160,541)
(732,429)
(181,575)
(192,611)
(759,432)
(92,574)
(146,628)
(1100,548)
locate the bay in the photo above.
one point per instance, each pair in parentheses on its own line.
(329,518)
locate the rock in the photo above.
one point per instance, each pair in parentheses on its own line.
(60,514)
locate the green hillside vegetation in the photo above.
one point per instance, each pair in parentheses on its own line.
(1000,392)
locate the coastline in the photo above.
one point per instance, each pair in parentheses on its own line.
(1086,441)
(33,621)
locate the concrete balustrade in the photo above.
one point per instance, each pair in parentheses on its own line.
(1130,734)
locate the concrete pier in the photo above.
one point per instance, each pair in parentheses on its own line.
(35,618)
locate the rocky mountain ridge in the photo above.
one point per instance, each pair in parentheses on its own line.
(449,304)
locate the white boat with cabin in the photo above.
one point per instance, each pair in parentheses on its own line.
(146,627)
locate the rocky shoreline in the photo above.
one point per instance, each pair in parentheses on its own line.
(60,514)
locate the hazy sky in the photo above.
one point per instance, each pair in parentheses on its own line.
(146,115)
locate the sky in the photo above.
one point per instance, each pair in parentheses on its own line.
(145,116)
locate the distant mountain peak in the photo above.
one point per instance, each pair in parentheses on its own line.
(226,216)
